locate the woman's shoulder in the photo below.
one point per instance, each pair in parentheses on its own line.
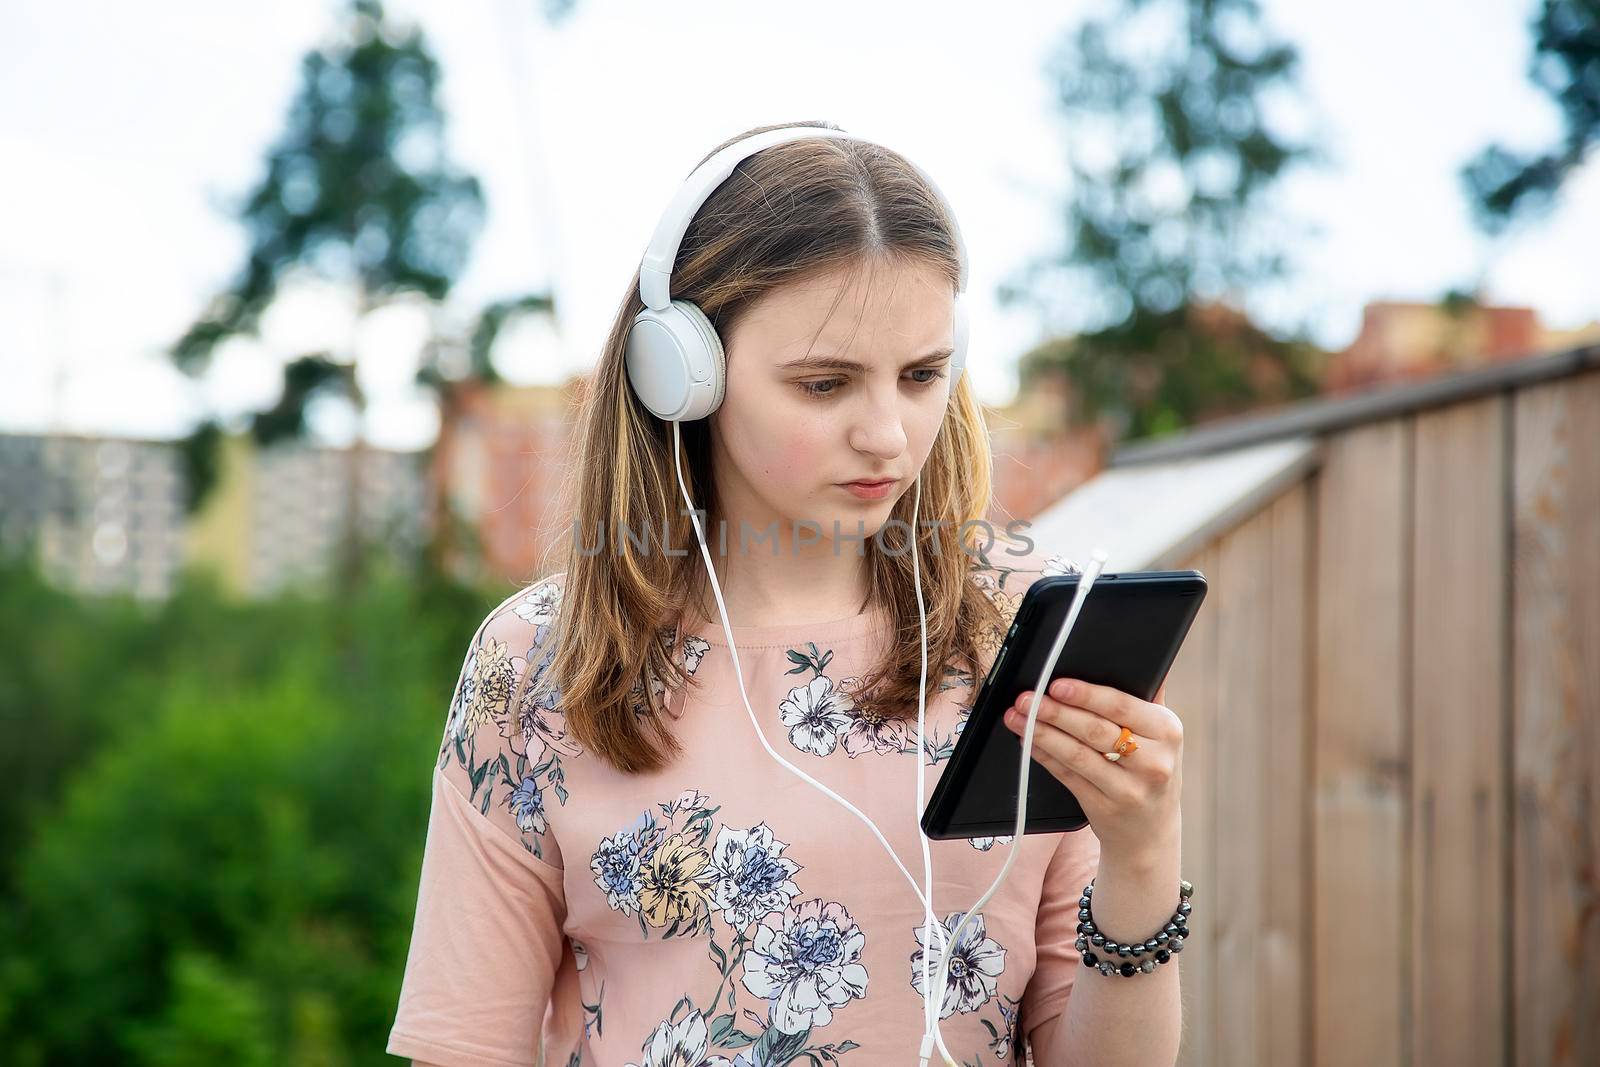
(1011,569)
(524,619)
(505,736)
(1004,575)
(537,603)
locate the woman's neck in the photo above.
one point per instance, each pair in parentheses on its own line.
(772,590)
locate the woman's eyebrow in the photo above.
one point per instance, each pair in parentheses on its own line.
(834,363)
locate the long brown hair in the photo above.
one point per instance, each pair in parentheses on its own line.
(789,211)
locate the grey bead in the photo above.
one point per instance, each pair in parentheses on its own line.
(1147,966)
(1176,944)
(1081,944)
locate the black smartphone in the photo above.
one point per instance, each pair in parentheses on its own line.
(1127,635)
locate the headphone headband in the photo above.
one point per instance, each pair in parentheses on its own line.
(655,269)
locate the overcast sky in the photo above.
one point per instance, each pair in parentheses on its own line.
(126,126)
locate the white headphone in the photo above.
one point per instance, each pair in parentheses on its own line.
(676,365)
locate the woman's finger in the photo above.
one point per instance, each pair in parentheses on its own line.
(1093,730)
(1071,753)
(1084,789)
(1142,717)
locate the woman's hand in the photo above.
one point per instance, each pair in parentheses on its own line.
(1133,803)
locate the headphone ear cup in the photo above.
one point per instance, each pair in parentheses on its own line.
(958,355)
(675,363)
(715,361)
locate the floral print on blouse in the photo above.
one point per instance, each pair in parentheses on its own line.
(719,911)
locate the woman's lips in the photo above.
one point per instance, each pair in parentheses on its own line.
(872,490)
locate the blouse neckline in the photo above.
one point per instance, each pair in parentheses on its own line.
(831,631)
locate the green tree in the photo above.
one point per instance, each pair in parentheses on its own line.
(357,190)
(1502,184)
(1164,104)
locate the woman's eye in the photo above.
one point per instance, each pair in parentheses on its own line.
(827,387)
(817,388)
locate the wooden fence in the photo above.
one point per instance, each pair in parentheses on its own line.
(1392,761)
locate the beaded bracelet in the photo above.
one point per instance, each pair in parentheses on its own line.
(1168,941)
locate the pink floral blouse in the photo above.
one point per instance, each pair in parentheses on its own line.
(720,911)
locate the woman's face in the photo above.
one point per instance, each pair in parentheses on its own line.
(820,395)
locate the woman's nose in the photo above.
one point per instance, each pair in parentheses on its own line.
(880,427)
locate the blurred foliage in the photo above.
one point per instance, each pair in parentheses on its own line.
(1171,153)
(200,455)
(356,187)
(1457,303)
(357,190)
(215,819)
(1501,183)
(1163,371)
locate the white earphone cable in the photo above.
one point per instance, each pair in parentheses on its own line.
(931,1005)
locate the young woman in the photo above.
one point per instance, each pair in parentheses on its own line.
(616,870)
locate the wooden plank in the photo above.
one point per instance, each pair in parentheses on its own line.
(1458,720)
(1243,615)
(1285,914)
(1358,781)
(1556,723)
(1327,416)
(1191,692)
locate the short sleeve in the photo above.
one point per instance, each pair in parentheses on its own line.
(486,945)
(488,950)
(1071,867)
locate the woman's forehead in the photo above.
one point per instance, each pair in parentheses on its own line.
(889,310)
